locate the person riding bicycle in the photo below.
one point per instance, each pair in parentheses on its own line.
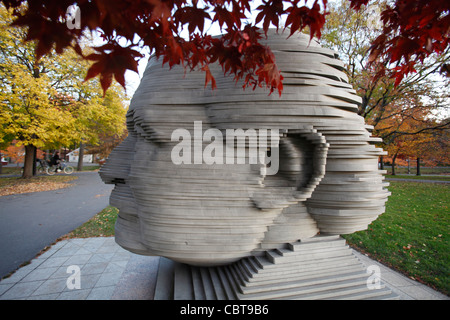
(56,161)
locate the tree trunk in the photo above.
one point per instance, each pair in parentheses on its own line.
(418,166)
(80,157)
(381,163)
(29,161)
(34,161)
(393,164)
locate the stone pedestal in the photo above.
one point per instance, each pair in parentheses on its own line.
(318,268)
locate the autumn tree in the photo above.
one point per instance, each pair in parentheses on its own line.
(405,134)
(27,110)
(96,115)
(438,151)
(401,112)
(411,31)
(351,34)
(106,144)
(32,110)
(103,118)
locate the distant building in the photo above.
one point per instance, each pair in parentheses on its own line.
(73,156)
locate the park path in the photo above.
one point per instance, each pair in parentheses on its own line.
(30,222)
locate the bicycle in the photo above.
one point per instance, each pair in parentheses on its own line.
(42,166)
(51,170)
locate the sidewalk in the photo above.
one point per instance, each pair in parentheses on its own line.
(104,269)
(108,272)
(31,221)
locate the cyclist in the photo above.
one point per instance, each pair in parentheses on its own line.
(56,161)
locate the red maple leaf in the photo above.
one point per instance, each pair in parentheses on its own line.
(209,77)
(271,10)
(301,17)
(357,4)
(112,60)
(193,16)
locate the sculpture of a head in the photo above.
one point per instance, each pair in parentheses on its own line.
(180,198)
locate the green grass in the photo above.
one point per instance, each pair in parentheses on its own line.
(101,225)
(412,236)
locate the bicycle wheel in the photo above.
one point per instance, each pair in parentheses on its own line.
(68,170)
(50,171)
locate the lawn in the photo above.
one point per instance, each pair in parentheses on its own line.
(101,225)
(412,236)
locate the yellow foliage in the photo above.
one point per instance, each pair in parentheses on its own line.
(47,104)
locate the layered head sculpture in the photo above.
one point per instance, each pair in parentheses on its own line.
(207,177)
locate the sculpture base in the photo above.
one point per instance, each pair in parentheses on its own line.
(323,267)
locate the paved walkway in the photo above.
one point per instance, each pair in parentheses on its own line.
(31,221)
(108,272)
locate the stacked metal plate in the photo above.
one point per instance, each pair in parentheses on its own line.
(192,185)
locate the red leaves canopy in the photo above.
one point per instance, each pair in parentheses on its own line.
(157,24)
(412,30)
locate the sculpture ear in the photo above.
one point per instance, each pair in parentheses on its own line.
(301,158)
